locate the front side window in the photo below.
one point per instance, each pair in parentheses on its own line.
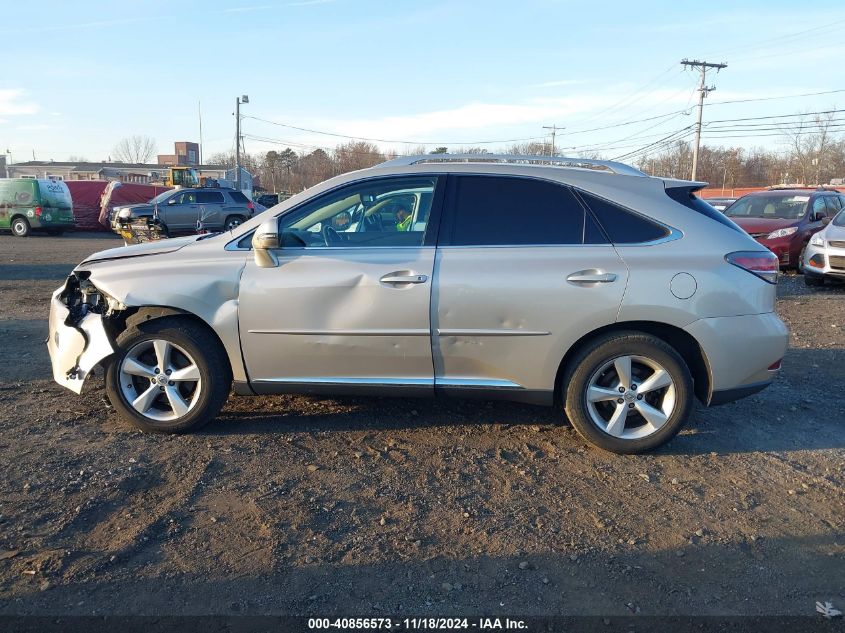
(505,211)
(386,212)
(819,207)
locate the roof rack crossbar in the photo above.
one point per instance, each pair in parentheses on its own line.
(516,159)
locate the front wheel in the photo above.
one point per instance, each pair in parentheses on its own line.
(20,227)
(169,375)
(628,392)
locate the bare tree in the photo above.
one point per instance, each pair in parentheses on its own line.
(76,159)
(135,149)
(810,142)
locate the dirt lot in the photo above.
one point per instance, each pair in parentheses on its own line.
(388,507)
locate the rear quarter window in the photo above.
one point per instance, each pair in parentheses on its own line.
(687,198)
(238,197)
(621,225)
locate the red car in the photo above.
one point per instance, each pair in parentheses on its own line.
(784,220)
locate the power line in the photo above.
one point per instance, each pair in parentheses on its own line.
(393,141)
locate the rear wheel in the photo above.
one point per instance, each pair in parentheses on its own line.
(232,222)
(20,227)
(170,375)
(628,392)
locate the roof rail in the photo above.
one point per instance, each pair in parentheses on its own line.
(516,159)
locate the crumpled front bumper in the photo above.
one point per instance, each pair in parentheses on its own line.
(75,348)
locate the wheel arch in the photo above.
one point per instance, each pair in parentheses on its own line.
(683,342)
(137,317)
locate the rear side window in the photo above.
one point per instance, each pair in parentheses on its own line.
(503,211)
(209,197)
(687,198)
(239,197)
(623,226)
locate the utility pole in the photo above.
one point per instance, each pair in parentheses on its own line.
(703,90)
(554,129)
(199,113)
(238,102)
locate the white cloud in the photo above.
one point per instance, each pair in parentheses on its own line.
(12,103)
(559,83)
(427,127)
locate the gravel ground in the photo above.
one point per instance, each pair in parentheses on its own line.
(304,505)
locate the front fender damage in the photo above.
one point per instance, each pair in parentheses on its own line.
(78,338)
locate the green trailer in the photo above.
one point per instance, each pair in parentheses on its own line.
(29,204)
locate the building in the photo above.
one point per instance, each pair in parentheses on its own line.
(186,153)
(124,172)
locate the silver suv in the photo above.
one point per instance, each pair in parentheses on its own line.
(179,210)
(568,282)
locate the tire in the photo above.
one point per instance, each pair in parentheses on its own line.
(800,265)
(233,221)
(813,281)
(172,406)
(20,227)
(642,420)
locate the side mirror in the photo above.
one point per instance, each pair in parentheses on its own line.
(264,241)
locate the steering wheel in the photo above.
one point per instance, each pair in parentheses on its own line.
(330,235)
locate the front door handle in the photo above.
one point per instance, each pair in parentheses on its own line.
(592,276)
(403,278)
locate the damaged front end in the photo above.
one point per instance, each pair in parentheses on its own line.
(80,320)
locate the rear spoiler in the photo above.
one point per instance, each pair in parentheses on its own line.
(690,185)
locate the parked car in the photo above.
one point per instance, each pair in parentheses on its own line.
(179,210)
(783,220)
(568,282)
(720,204)
(825,254)
(29,204)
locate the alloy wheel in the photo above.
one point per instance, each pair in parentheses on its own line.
(630,397)
(160,380)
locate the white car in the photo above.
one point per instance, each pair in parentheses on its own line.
(824,257)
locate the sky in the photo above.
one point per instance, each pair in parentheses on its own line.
(78,76)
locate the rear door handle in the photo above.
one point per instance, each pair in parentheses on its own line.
(403,278)
(593,276)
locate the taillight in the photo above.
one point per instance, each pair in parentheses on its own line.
(250,206)
(764,264)
(37,212)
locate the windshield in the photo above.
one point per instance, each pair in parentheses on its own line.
(161,197)
(785,206)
